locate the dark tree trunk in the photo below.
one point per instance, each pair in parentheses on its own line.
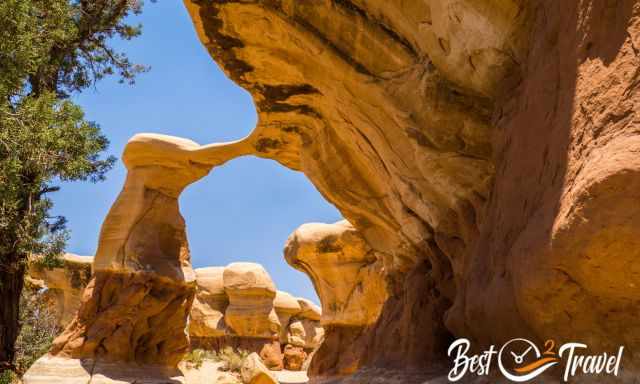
(11,283)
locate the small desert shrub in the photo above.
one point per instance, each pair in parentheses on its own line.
(232,359)
(8,377)
(196,357)
(39,326)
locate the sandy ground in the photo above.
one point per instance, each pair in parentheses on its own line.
(209,373)
(291,377)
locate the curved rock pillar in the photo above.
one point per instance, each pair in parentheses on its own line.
(135,309)
(345,274)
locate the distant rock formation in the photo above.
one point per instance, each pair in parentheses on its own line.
(256,328)
(207,313)
(64,284)
(239,306)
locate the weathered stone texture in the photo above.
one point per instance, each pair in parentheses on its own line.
(486,152)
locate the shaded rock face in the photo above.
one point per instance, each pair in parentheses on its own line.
(64,284)
(563,264)
(209,305)
(487,152)
(294,357)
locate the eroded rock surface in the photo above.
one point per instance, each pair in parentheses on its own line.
(485,151)
(251,294)
(136,306)
(294,357)
(343,269)
(64,284)
(209,305)
(238,306)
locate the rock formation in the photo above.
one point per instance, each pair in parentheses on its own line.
(487,153)
(294,357)
(254,372)
(209,305)
(343,269)
(251,294)
(64,284)
(348,279)
(207,324)
(238,306)
(135,308)
(484,152)
(286,306)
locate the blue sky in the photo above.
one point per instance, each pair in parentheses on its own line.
(242,211)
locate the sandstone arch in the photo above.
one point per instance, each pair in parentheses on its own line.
(477,147)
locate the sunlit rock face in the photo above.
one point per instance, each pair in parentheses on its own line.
(349,282)
(251,293)
(64,284)
(486,152)
(343,269)
(135,308)
(238,306)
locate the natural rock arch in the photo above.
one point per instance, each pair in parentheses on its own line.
(478,147)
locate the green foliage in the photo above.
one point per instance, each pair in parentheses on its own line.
(39,328)
(42,139)
(232,359)
(196,357)
(63,46)
(49,49)
(8,377)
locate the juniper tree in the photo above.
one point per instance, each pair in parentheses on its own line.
(49,50)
